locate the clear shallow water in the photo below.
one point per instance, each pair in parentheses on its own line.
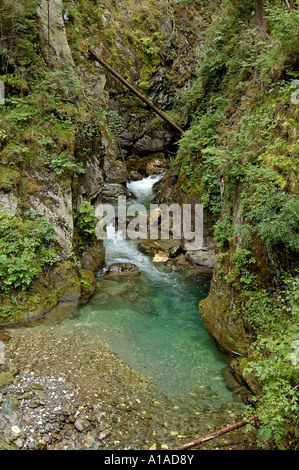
(153,321)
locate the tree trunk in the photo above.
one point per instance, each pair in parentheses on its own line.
(208,437)
(130,87)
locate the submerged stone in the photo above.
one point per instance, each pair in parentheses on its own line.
(8,377)
(126,269)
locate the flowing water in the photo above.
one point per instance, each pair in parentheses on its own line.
(137,351)
(153,323)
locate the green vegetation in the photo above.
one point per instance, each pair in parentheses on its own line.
(24,250)
(244,136)
(51,126)
(85,223)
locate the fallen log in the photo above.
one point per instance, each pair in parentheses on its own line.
(208,437)
(130,87)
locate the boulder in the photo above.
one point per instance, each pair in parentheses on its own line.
(93,259)
(112,191)
(204,258)
(155,167)
(135,175)
(148,247)
(115,171)
(123,269)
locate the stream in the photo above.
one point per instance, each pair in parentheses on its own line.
(153,321)
(137,345)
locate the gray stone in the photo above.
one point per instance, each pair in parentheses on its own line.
(10,405)
(19,442)
(112,191)
(13,418)
(2,423)
(204,258)
(16,430)
(115,171)
(82,424)
(37,386)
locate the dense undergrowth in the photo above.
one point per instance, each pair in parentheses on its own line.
(242,150)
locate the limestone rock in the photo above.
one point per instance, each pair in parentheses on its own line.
(55,204)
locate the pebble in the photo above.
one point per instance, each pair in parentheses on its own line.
(86,400)
(15,430)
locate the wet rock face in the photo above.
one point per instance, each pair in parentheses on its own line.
(58,51)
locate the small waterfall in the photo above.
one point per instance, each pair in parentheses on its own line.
(153,321)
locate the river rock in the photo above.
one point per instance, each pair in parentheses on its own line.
(124,269)
(156,167)
(4,337)
(10,405)
(82,424)
(201,258)
(8,377)
(16,430)
(148,247)
(174,251)
(135,176)
(160,258)
(112,191)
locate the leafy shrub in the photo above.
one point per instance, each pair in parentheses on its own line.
(86,221)
(24,250)
(243,261)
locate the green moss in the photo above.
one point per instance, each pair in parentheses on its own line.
(9,178)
